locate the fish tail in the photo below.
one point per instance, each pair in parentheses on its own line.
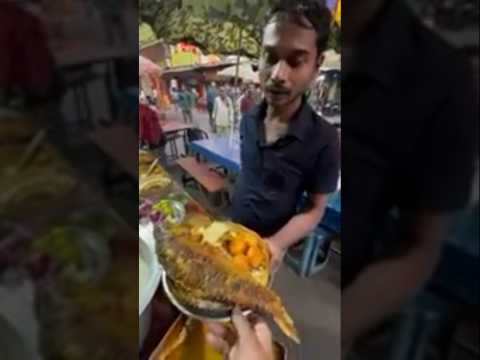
(285,323)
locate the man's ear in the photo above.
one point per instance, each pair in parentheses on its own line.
(320,61)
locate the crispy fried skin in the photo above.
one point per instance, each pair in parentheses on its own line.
(211,276)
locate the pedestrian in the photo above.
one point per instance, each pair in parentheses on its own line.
(212,93)
(247,100)
(174,97)
(186,102)
(223,113)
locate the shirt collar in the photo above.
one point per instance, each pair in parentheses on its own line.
(298,126)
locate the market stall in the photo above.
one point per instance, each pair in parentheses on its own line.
(152,83)
(174,223)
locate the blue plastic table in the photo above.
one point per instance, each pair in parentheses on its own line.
(219,151)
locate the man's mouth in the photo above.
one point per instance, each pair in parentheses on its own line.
(278,92)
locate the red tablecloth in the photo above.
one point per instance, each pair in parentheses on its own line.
(149,129)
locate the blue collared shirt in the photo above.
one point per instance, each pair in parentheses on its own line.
(274,176)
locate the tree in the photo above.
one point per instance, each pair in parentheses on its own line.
(213,29)
(145,34)
(214,25)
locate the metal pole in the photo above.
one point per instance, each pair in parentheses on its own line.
(237,70)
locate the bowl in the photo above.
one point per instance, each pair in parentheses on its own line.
(147,291)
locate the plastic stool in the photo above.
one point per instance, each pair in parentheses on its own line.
(323,235)
(305,263)
(300,263)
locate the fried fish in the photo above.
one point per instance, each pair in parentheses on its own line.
(211,276)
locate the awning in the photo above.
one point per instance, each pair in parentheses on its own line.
(245,72)
(148,67)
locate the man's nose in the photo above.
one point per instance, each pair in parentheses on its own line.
(280,72)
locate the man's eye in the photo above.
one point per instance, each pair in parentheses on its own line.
(296,62)
(270,59)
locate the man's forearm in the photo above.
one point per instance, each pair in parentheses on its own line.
(380,290)
(297,228)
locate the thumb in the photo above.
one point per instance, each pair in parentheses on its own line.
(242,325)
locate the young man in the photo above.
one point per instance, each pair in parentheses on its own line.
(287,149)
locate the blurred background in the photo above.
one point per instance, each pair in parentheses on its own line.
(68,207)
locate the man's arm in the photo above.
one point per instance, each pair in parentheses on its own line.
(297,228)
(388,284)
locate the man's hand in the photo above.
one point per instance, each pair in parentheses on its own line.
(252,341)
(277,253)
(296,229)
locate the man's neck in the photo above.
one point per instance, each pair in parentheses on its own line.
(285,113)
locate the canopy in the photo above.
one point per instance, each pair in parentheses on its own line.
(147,67)
(245,72)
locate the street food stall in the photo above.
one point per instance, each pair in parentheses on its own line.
(190,244)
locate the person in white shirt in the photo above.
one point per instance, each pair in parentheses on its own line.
(223,113)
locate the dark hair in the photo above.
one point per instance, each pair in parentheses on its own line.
(310,14)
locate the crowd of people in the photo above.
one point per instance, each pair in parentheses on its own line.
(225,103)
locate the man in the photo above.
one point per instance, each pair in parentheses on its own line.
(174,97)
(212,93)
(247,101)
(410,122)
(186,102)
(287,149)
(223,113)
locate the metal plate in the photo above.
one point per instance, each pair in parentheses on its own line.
(222,314)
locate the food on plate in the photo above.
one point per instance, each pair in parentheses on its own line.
(144,157)
(204,273)
(237,246)
(31,184)
(151,175)
(153,181)
(80,255)
(162,213)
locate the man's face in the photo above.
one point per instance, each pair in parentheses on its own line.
(289,62)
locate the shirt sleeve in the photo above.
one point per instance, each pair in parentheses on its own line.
(325,175)
(441,174)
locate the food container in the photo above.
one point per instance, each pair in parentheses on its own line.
(185,340)
(150,285)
